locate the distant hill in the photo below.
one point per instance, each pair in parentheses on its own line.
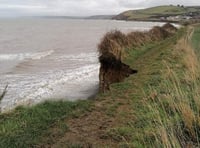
(159,13)
(78,17)
(101,17)
(61,17)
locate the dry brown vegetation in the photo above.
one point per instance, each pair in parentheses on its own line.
(170,28)
(115,42)
(176,109)
(112,50)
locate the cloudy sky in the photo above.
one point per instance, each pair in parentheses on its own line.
(79,7)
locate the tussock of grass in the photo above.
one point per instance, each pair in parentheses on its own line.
(175,112)
(158,33)
(114,43)
(169,28)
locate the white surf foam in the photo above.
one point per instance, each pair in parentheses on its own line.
(92,57)
(24,56)
(30,89)
(56,79)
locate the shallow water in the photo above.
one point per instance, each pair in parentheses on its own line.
(44,59)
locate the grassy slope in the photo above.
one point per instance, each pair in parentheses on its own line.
(140,132)
(156,11)
(25,127)
(146,109)
(167,106)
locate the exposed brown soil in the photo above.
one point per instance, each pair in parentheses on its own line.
(92,128)
(112,71)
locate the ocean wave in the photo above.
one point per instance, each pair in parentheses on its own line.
(37,87)
(24,56)
(55,79)
(92,57)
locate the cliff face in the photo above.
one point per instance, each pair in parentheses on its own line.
(112,50)
(112,71)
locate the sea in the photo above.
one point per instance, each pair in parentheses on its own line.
(53,58)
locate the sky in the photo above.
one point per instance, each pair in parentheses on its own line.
(79,7)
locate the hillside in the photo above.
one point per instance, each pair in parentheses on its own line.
(160,13)
(101,17)
(95,17)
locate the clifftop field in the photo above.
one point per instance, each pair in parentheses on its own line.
(161,13)
(155,105)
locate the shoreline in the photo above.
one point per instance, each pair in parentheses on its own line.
(25,83)
(130,113)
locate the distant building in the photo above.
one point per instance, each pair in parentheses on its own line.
(179,18)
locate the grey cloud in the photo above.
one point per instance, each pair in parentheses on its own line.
(80,7)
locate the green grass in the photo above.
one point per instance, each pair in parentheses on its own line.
(168,114)
(151,13)
(165,10)
(165,97)
(26,127)
(195,39)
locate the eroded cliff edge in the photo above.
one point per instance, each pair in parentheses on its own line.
(113,49)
